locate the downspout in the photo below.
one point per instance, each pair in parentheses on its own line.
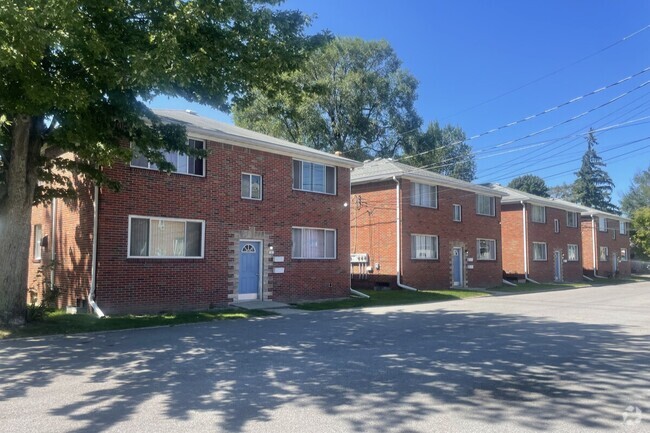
(523,215)
(594,233)
(93,271)
(53,244)
(398,230)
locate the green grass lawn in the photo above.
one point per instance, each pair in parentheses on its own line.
(391,297)
(58,322)
(532,287)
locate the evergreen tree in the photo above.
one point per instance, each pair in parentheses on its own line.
(593,186)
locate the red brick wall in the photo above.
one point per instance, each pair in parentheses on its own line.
(147,284)
(604,268)
(512,232)
(73,244)
(543,271)
(373,232)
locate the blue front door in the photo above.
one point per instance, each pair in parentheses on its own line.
(457,267)
(249,269)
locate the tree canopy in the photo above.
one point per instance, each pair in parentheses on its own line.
(356,98)
(563,191)
(593,186)
(74,75)
(641,231)
(638,195)
(530,183)
(443,150)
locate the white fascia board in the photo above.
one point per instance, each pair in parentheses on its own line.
(463,186)
(275,148)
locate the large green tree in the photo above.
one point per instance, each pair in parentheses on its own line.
(74,75)
(443,150)
(355,98)
(564,191)
(638,195)
(593,186)
(641,231)
(530,183)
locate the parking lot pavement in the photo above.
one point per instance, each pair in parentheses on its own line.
(570,361)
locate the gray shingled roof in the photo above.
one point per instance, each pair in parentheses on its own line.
(517,196)
(204,127)
(384,169)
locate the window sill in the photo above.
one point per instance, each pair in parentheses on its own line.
(424,207)
(164,172)
(424,260)
(484,215)
(315,192)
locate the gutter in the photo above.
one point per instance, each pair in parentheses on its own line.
(53,236)
(93,271)
(398,230)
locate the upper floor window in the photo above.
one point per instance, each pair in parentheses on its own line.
(313,243)
(185,164)
(485,205)
(310,176)
(538,213)
(165,237)
(458,213)
(602,224)
(38,238)
(424,247)
(623,227)
(251,186)
(424,195)
(556,225)
(572,219)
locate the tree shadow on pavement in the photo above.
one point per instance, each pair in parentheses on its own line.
(372,372)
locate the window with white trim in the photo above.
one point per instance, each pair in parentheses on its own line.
(165,237)
(251,186)
(313,243)
(556,225)
(538,213)
(573,254)
(603,254)
(458,213)
(486,249)
(624,254)
(314,177)
(572,219)
(38,239)
(184,164)
(622,227)
(602,224)
(424,195)
(485,205)
(539,251)
(613,234)
(424,247)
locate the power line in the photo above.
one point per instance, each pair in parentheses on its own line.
(550,74)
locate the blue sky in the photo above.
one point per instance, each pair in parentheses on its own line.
(467,53)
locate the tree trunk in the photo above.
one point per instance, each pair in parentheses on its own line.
(15,217)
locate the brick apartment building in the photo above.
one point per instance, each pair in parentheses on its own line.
(449,230)
(541,237)
(259,218)
(605,243)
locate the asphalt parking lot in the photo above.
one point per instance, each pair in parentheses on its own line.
(569,361)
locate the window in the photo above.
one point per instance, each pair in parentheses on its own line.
(572,219)
(38,238)
(184,164)
(556,225)
(485,205)
(624,254)
(539,251)
(613,234)
(251,186)
(623,227)
(604,252)
(424,195)
(424,247)
(602,224)
(458,212)
(538,213)
(165,237)
(310,176)
(572,253)
(486,249)
(309,243)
